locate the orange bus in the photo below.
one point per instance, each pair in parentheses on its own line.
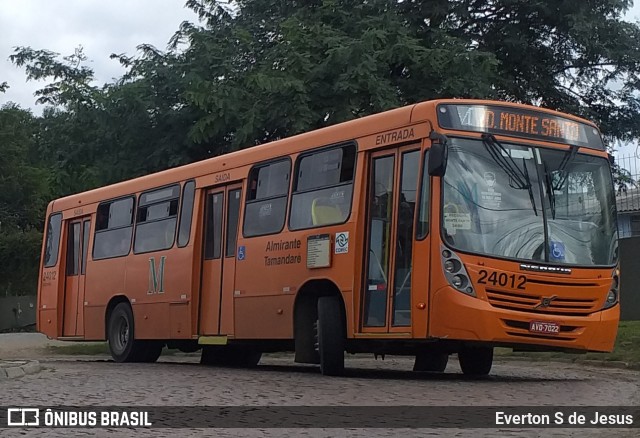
(447,226)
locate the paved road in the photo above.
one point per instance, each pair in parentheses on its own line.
(180,381)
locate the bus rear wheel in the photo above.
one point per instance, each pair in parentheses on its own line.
(331,336)
(476,361)
(431,362)
(120,335)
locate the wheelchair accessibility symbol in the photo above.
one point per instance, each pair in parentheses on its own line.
(557,250)
(241,252)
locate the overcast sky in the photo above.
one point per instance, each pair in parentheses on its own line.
(102,27)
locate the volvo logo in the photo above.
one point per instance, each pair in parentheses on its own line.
(545,302)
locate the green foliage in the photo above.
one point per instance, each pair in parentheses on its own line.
(275,68)
(254,71)
(23,197)
(71,80)
(268,69)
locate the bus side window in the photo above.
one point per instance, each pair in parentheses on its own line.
(156,219)
(266,203)
(186,213)
(114,226)
(323,188)
(53,240)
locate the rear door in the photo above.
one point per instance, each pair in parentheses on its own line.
(222,209)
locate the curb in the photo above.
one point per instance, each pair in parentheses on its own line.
(13,369)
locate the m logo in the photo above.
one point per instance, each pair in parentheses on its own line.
(156,278)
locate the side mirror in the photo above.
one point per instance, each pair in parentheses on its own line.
(438,154)
(612,159)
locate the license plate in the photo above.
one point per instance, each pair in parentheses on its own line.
(544,327)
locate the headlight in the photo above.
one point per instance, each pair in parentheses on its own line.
(455,272)
(614,292)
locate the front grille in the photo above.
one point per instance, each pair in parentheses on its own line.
(555,282)
(530,302)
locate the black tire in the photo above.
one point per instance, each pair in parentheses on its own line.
(432,362)
(120,334)
(331,336)
(476,361)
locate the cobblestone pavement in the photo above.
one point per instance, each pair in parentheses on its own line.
(180,381)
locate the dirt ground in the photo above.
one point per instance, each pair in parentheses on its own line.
(26,345)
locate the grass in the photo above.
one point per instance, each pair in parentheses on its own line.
(626,349)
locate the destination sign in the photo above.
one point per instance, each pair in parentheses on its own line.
(519,123)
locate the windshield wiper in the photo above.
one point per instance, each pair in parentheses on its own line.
(548,179)
(550,189)
(506,162)
(566,159)
(501,156)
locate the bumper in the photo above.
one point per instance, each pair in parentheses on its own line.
(457,316)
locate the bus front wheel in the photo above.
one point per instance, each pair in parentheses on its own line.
(331,336)
(476,361)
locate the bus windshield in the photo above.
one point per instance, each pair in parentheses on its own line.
(529,203)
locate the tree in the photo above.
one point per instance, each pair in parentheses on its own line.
(100,135)
(266,69)
(273,69)
(256,71)
(23,199)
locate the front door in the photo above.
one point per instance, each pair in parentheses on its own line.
(391,207)
(78,231)
(222,210)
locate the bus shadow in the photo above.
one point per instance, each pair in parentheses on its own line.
(367,373)
(408,375)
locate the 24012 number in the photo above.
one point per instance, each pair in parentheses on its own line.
(503,279)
